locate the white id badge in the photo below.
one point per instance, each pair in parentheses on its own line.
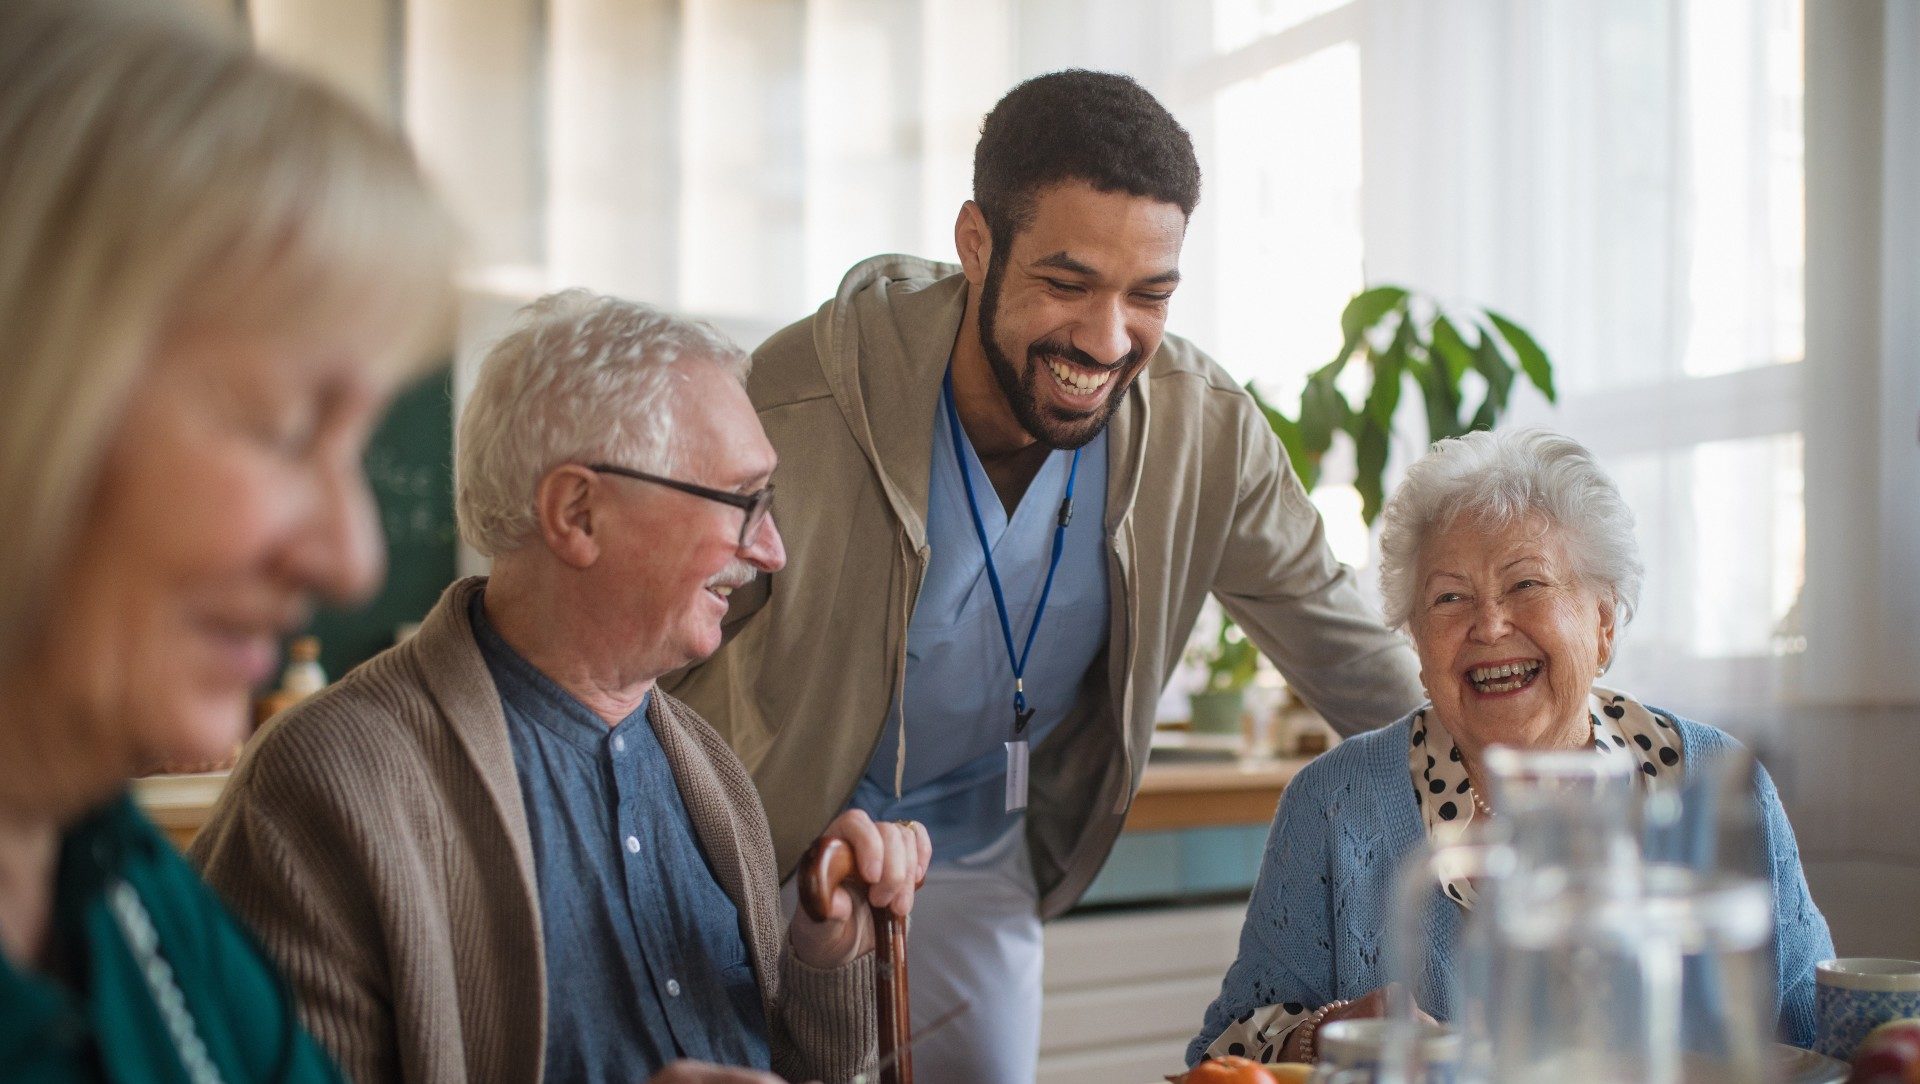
(1016,776)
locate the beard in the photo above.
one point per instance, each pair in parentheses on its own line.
(1049,426)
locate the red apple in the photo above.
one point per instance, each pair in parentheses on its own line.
(1889,1055)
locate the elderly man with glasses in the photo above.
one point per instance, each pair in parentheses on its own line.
(496,851)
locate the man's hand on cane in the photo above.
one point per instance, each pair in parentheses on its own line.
(891,858)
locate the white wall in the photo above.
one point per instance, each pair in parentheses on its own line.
(1850,745)
(1862,618)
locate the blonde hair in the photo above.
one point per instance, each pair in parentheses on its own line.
(580,378)
(155,176)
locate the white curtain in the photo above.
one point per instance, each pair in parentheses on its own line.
(1625,180)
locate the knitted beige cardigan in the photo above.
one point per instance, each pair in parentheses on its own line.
(374,839)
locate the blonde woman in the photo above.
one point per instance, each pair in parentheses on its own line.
(213,275)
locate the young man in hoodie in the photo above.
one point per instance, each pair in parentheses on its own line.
(1005,494)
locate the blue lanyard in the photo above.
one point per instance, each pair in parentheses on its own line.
(1018,662)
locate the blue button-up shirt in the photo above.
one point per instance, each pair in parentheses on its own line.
(646,961)
(959,689)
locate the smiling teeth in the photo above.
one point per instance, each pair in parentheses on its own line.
(722,590)
(1504,678)
(1493,673)
(1066,375)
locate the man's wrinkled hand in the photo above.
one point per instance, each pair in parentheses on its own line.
(892,859)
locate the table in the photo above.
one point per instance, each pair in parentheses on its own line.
(1173,795)
(179,804)
(1210,794)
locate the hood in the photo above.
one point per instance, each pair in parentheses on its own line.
(883,343)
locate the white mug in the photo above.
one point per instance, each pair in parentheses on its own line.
(1857,994)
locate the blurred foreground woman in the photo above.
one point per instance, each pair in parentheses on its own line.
(213,275)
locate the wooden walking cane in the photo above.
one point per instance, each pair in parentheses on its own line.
(829,864)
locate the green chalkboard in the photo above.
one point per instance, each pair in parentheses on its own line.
(410,465)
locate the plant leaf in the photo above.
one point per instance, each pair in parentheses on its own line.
(1306,465)
(1370,462)
(1492,364)
(1388,370)
(1233,660)
(1365,310)
(1309,477)
(1442,401)
(1452,349)
(1322,410)
(1422,372)
(1487,414)
(1533,360)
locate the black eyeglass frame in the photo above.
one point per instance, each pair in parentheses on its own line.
(755,504)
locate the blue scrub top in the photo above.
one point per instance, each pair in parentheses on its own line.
(959,689)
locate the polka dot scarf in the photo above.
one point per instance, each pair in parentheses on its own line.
(1258,1034)
(1622,727)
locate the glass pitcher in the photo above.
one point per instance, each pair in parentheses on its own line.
(1582,959)
(1709,904)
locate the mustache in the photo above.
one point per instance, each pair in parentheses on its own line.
(1067,352)
(738,573)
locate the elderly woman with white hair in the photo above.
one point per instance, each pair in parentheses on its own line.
(1509,558)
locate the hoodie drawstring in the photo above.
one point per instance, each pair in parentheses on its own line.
(900,677)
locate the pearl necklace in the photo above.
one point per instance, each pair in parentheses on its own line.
(1480,803)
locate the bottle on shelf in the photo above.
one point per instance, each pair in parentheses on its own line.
(302,678)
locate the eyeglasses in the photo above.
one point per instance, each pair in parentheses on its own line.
(755,505)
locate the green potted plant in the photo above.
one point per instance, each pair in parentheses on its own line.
(1230,661)
(1401,338)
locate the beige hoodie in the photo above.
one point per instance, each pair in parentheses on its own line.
(1200,499)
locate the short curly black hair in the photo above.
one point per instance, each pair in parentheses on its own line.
(1098,127)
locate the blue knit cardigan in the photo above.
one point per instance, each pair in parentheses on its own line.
(1317,926)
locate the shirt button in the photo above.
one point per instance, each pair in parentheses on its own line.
(633,845)
(673,987)
(619,743)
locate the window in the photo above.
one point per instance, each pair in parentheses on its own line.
(1278,245)
(1626,179)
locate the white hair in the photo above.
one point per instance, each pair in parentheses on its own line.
(581,378)
(1500,478)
